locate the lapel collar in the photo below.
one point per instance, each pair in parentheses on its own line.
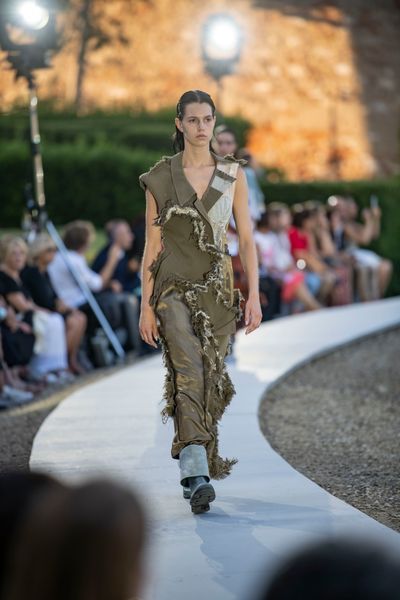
(219,183)
(183,189)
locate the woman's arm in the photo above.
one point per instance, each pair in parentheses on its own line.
(247,251)
(19,303)
(147,324)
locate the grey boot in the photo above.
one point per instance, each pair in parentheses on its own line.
(195,478)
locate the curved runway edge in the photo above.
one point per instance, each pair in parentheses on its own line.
(264,508)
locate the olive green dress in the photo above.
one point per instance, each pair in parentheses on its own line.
(194,300)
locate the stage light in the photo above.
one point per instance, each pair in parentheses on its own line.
(33,15)
(221,44)
(222,40)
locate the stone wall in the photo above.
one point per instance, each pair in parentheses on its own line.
(319,81)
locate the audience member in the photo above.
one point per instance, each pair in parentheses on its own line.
(226,140)
(256,196)
(49,358)
(77,238)
(86,543)
(324,244)
(124,279)
(337,569)
(18,493)
(373,272)
(305,253)
(275,258)
(36,279)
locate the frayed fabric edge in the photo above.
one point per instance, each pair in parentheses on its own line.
(221,390)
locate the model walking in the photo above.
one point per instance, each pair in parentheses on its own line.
(188,300)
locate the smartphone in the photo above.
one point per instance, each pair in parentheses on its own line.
(373,201)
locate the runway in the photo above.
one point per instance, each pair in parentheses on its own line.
(262,510)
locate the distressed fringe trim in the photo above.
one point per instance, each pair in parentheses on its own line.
(220,391)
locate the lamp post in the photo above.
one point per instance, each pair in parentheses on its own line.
(221,46)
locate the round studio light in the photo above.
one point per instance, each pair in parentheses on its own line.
(222,39)
(33,15)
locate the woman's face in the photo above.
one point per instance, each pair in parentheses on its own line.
(197,124)
(226,143)
(46,257)
(15,258)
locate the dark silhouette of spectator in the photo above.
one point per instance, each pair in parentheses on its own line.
(18,494)
(84,544)
(337,570)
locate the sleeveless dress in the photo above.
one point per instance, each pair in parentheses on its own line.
(194,300)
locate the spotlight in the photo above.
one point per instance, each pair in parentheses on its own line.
(221,44)
(28,33)
(33,15)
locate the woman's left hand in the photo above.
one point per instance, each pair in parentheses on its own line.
(252,313)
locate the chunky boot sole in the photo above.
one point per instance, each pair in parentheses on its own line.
(201,498)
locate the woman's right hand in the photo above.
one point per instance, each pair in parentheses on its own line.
(148,326)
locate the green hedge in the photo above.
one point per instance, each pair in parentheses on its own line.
(100,182)
(152,131)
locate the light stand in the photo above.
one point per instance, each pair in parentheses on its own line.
(221,45)
(25,58)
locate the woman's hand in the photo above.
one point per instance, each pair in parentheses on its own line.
(148,326)
(252,313)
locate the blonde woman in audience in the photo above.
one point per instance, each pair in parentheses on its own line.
(36,278)
(50,350)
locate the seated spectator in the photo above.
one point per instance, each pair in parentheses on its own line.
(275,258)
(13,389)
(337,569)
(124,279)
(85,543)
(18,494)
(324,241)
(77,238)
(49,359)
(256,196)
(17,338)
(305,253)
(373,272)
(36,279)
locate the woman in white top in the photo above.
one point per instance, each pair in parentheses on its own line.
(77,238)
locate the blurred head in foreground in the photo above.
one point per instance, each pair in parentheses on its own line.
(337,570)
(18,493)
(84,544)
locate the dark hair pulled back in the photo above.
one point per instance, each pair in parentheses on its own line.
(189,97)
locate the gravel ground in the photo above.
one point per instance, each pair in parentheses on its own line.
(337,421)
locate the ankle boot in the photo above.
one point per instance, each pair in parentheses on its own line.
(195,478)
(201,494)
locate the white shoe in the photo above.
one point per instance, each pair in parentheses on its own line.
(16,396)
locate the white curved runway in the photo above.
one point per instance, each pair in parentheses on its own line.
(263,509)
